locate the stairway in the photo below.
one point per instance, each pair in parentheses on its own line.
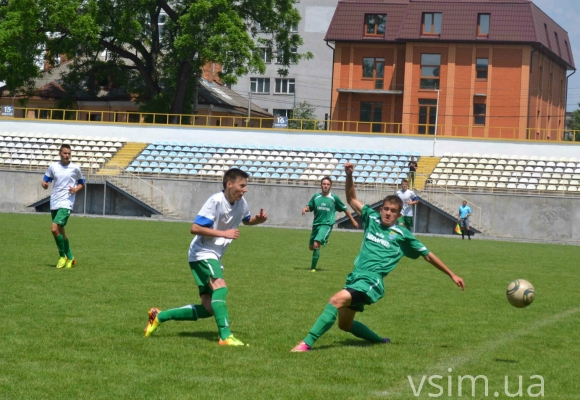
(122,158)
(426,165)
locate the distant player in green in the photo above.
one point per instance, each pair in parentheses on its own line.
(384,244)
(324,205)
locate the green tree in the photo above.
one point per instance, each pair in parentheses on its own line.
(151,49)
(575,124)
(304,117)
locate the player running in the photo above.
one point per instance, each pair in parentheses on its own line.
(68,180)
(324,205)
(215,227)
(384,244)
(409,199)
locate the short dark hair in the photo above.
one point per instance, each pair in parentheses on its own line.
(233,174)
(64,146)
(394,199)
(404,180)
(326,178)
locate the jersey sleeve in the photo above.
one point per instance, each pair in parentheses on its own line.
(246,212)
(413,248)
(365,214)
(49,175)
(79,178)
(414,196)
(338,204)
(311,204)
(207,215)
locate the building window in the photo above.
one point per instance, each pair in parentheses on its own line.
(374,68)
(481,66)
(375,24)
(432,23)
(550,84)
(265,54)
(557,44)
(427,116)
(541,83)
(567,50)
(280,55)
(483,25)
(260,85)
(285,86)
(430,68)
(294,28)
(547,36)
(372,112)
(282,113)
(479,111)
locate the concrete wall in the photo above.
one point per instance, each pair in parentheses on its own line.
(221,136)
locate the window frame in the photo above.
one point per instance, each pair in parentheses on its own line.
(265,52)
(431,32)
(255,81)
(480,114)
(436,78)
(288,113)
(376,126)
(481,69)
(429,106)
(379,80)
(479,34)
(279,54)
(285,83)
(375,25)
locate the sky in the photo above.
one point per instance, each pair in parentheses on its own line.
(566,13)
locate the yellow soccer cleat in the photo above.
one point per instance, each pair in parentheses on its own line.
(153,323)
(61,262)
(230,341)
(70,263)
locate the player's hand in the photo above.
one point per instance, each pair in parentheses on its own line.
(458,281)
(305,210)
(72,190)
(44,185)
(262,216)
(355,224)
(231,234)
(348,169)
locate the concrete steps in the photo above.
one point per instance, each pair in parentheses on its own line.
(426,165)
(122,158)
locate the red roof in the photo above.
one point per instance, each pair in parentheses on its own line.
(511,21)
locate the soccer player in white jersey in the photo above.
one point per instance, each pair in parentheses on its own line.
(215,226)
(409,199)
(68,180)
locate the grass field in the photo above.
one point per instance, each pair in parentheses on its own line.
(75,334)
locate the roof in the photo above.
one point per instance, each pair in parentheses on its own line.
(511,21)
(222,96)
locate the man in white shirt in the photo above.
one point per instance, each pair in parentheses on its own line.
(215,226)
(409,199)
(68,180)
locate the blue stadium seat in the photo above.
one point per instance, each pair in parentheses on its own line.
(198,166)
(270,170)
(294,176)
(370,180)
(293,164)
(257,175)
(374,174)
(389,180)
(138,169)
(134,164)
(360,179)
(364,174)
(184,171)
(172,165)
(403,175)
(239,162)
(290,170)
(149,158)
(140,157)
(253,169)
(150,147)
(338,156)
(341,179)
(245,168)
(193,172)
(299,171)
(154,153)
(189,166)
(144,164)
(176,159)
(366,157)
(130,169)
(362,162)
(336,172)
(154,164)
(379,180)
(370,162)
(146,152)
(390,164)
(248,162)
(357,157)
(280,170)
(285,176)
(368,168)
(262,169)
(156,170)
(275,175)
(275,164)
(163,153)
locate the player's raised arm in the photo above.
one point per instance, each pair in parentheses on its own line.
(259,218)
(437,263)
(351,199)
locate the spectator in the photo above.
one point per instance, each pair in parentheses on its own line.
(463,220)
(412,169)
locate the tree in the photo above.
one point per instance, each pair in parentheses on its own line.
(151,49)
(303,117)
(575,124)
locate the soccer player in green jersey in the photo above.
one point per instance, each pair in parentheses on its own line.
(324,205)
(384,244)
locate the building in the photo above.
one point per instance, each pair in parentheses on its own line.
(480,68)
(309,80)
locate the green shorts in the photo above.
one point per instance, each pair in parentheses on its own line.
(203,270)
(320,234)
(407,222)
(60,216)
(370,286)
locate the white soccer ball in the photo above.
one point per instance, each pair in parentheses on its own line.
(520,293)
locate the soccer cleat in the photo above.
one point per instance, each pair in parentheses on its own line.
(153,323)
(61,262)
(313,270)
(386,340)
(230,341)
(70,263)
(301,348)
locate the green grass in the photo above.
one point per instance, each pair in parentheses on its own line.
(73,334)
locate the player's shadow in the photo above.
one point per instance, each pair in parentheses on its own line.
(351,343)
(50,265)
(209,336)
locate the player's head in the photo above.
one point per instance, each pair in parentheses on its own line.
(405,184)
(325,184)
(64,153)
(391,210)
(235,183)
(464,203)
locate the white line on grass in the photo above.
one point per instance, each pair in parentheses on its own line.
(454,362)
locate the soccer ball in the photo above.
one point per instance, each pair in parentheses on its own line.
(520,293)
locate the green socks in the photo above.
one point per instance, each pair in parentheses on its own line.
(322,324)
(60,245)
(67,251)
(315,257)
(220,311)
(186,313)
(362,331)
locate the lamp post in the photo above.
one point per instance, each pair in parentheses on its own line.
(436,121)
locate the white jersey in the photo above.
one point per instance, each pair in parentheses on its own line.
(406,196)
(64,177)
(217,213)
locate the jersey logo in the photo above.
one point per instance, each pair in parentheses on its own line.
(392,236)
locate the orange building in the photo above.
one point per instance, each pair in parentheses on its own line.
(479,68)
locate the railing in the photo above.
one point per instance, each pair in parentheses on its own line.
(372,128)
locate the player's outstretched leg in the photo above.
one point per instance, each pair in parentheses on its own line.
(315,256)
(320,327)
(222,319)
(191,312)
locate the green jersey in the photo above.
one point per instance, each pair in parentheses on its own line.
(383,247)
(325,208)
